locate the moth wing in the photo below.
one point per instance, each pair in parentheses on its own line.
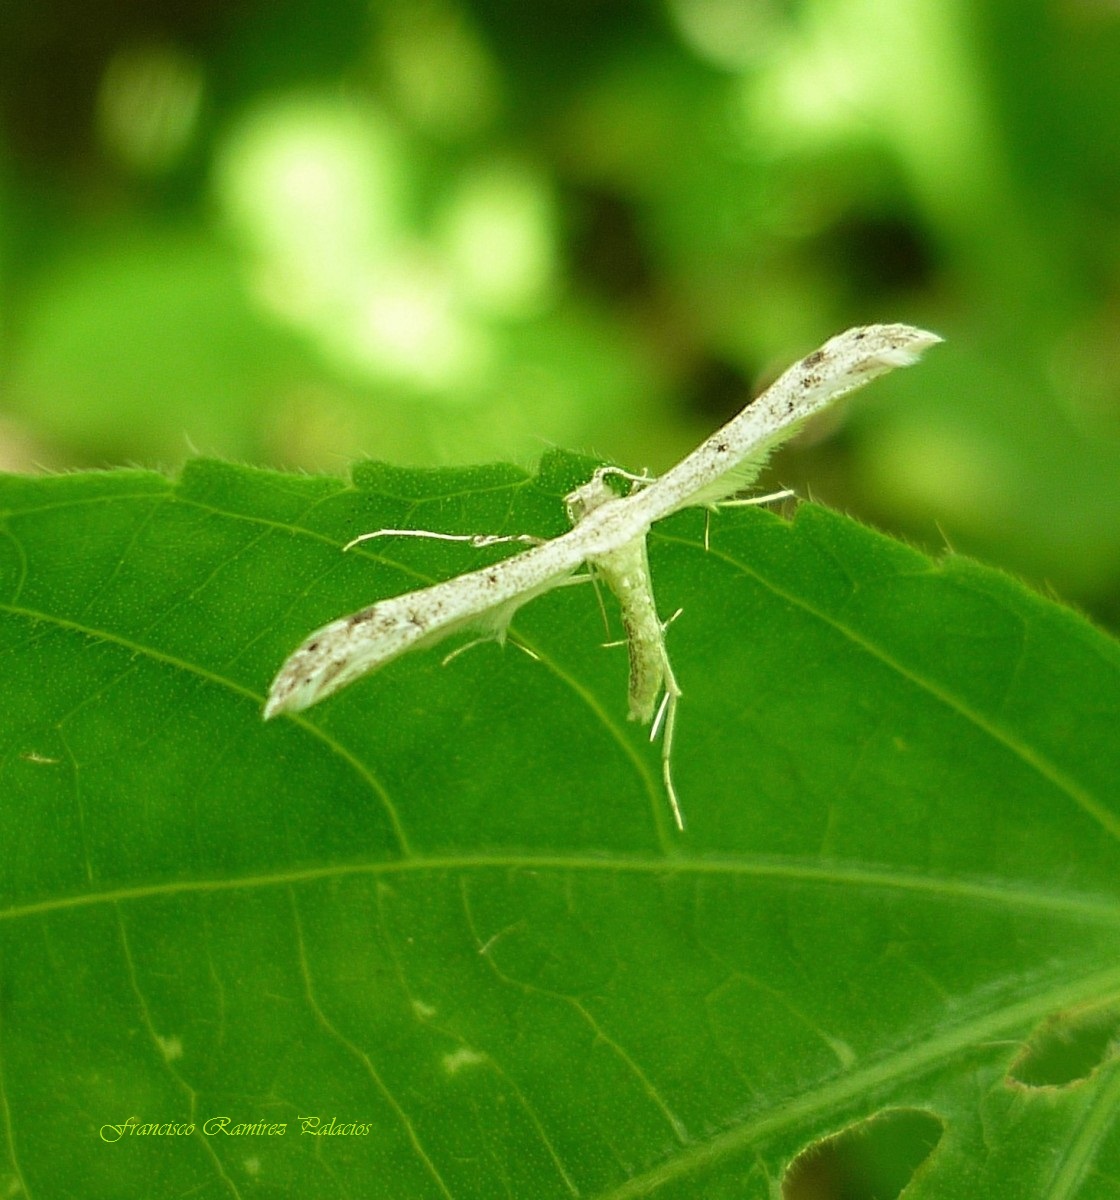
(350,647)
(732,458)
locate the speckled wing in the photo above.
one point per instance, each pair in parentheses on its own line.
(352,646)
(731,459)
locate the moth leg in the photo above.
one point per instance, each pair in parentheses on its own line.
(464,648)
(481,641)
(745,502)
(524,648)
(477,540)
(639,481)
(751,501)
(592,575)
(667,716)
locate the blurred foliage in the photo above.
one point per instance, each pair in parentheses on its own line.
(302,231)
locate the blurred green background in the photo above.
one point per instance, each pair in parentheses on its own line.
(297,232)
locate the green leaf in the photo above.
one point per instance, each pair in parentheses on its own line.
(448,907)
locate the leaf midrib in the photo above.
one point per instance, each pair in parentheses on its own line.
(1091,909)
(1040,764)
(351,759)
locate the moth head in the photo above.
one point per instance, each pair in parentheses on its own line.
(594,493)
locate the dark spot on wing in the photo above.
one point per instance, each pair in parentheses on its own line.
(815,359)
(331,671)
